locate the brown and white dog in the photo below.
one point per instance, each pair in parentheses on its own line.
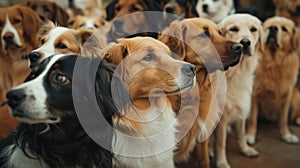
(18,26)
(145,135)
(246,30)
(198,41)
(85,8)
(273,89)
(85,22)
(49,11)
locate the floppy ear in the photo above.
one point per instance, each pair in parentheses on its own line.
(173,37)
(31,21)
(296,37)
(61,15)
(115,53)
(110,10)
(260,43)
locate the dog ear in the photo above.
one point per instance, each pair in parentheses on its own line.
(84,35)
(61,15)
(110,10)
(31,21)
(115,53)
(173,37)
(296,36)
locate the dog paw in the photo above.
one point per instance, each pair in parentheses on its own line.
(290,138)
(250,139)
(223,165)
(250,152)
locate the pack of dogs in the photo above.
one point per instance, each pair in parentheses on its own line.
(141,88)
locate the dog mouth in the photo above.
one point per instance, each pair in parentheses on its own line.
(12,45)
(188,85)
(232,63)
(21,115)
(272,41)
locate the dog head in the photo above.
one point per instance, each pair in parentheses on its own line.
(281,34)
(58,40)
(147,68)
(199,41)
(245,29)
(290,6)
(183,8)
(49,11)
(16,32)
(86,22)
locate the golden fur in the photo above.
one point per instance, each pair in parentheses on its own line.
(78,22)
(188,31)
(276,77)
(289,9)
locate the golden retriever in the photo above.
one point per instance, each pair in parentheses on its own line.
(276,77)
(289,9)
(247,30)
(198,41)
(150,73)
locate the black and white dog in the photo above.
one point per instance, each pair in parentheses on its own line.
(51,134)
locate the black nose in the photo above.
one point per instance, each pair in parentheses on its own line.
(8,37)
(273,29)
(188,69)
(42,17)
(15,97)
(205,8)
(236,48)
(119,22)
(34,57)
(170,9)
(245,42)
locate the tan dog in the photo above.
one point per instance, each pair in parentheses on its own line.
(18,38)
(289,9)
(246,30)
(149,72)
(276,77)
(85,22)
(196,41)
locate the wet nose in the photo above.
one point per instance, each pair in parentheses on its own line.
(34,57)
(8,37)
(170,9)
(245,42)
(15,97)
(188,69)
(42,17)
(237,48)
(205,8)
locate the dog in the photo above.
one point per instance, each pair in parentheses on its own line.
(88,8)
(86,22)
(215,10)
(151,116)
(59,40)
(272,90)
(190,39)
(183,8)
(288,9)
(18,38)
(49,11)
(246,30)
(51,134)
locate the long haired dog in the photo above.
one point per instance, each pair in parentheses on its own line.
(288,9)
(215,10)
(18,38)
(198,41)
(50,134)
(272,89)
(49,11)
(147,129)
(93,22)
(246,30)
(85,8)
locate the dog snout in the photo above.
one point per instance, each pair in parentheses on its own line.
(34,57)
(15,97)
(205,8)
(245,42)
(237,48)
(170,9)
(8,37)
(273,29)
(188,69)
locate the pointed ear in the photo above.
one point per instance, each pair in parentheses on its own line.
(61,15)
(174,37)
(296,36)
(31,21)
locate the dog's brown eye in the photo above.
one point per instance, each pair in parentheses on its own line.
(42,41)
(61,46)
(96,26)
(134,9)
(284,29)
(61,79)
(253,29)
(118,8)
(16,21)
(46,9)
(234,29)
(149,57)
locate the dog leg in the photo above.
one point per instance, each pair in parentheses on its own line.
(248,151)
(220,144)
(202,154)
(252,123)
(286,135)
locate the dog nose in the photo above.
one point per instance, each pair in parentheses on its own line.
(15,97)
(9,36)
(205,8)
(245,42)
(170,9)
(188,69)
(42,17)
(237,48)
(34,57)
(273,29)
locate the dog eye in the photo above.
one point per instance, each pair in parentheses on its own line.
(16,21)
(149,57)
(234,29)
(284,29)
(96,26)
(118,8)
(205,34)
(61,79)
(61,46)
(46,9)
(134,9)
(33,7)
(81,25)
(253,29)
